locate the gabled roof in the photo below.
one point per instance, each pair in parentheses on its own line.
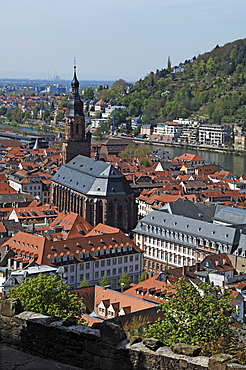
(108,297)
(190,157)
(219,262)
(72,225)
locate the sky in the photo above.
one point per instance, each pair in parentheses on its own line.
(111,39)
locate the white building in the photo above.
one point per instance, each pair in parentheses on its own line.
(211,135)
(169,131)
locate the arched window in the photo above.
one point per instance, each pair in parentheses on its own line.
(99,212)
(110,213)
(92,213)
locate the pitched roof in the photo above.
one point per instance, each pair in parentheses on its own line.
(91,177)
(190,157)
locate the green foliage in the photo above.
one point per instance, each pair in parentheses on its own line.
(84,283)
(59,116)
(143,276)
(101,130)
(145,162)
(49,296)
(134,150)
(63,102)
(104,281)
(193,315)
(211,86)
(169,65)
(231,345)
(3,111)
(88,94)
(124,281)
(136,326)
(56,144)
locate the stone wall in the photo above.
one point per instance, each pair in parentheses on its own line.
(101,347)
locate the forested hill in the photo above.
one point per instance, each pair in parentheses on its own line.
(211,88)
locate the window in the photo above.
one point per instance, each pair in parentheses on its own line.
(114,271)
(87,265)
(108,262)
(114,261)
(136,267)
(110,314)
(81,266)
(131,258)
(71,279)
(120,270)
(102,273)
(97,264)
(96,275)
(81,277)
(72,268)
(102,263)
(65,268)
(125,269)
(131,268)
(108,272)
(87,276)
(125,259)
(120,260)
(102,311)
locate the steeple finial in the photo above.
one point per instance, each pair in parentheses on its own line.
(75,82)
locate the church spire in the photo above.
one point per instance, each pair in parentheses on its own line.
(76,140)
(75,105)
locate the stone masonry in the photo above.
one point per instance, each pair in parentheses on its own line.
(101,347)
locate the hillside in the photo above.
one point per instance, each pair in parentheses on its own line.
(211,88)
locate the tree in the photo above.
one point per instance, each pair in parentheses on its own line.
(3,111)
(88,94)
(145,162)
(84,283)
(169,65)
(104,281)
(124,281)
(63,102)
(48,295)
(143,276)
(193,314)
(134,150)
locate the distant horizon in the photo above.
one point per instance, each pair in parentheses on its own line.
(114,40)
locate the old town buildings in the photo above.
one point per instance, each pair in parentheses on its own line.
(102,251)
(182,233)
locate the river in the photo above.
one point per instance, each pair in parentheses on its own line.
(229,162)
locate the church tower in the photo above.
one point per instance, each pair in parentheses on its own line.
(76,140)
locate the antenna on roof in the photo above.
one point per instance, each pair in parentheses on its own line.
(74,62)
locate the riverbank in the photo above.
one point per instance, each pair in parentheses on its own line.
(30,128)
(204,147)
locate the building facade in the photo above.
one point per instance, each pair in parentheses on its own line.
(176,238)
(96,191)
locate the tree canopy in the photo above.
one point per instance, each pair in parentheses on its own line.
(134,150)
(193,315)
(48,295)
(125,280)
(104,281)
